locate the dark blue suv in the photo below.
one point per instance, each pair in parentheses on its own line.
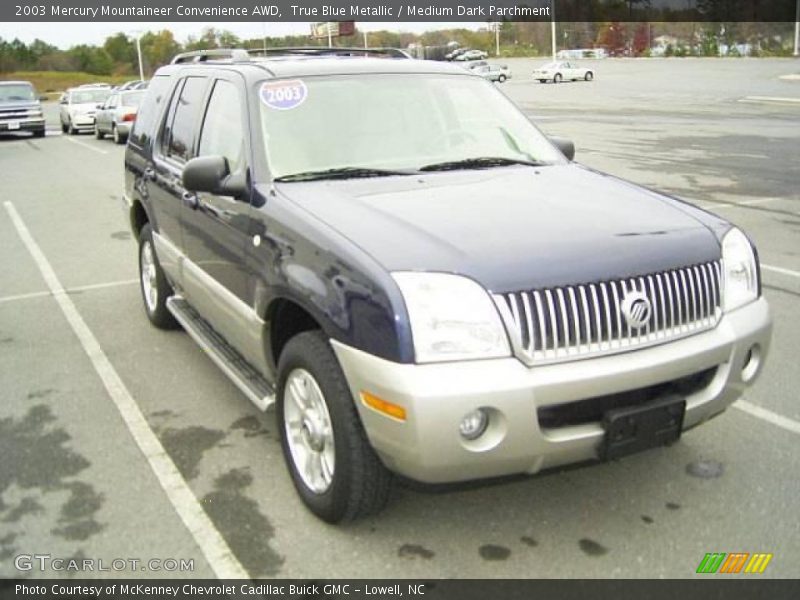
(422,282)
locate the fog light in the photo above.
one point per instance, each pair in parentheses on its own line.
(474,424)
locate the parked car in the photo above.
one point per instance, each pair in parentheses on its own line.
(135,84)
(78,105)
(422,282)
(474,64)
(561,70)
(492,72)
(471,55)
(116,115)
(20,109)
(452,55)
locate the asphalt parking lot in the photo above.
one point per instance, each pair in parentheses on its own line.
(74,482)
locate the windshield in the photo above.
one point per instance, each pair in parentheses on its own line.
(393,122)
(21,92)
(131,98)
(89,96)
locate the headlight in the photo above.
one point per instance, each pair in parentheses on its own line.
(739,271)
(452,318)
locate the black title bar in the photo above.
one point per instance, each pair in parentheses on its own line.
(397,10)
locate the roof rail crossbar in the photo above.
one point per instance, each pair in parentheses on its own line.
(234,54)
(328,51)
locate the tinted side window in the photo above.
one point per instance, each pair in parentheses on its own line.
(179,137)
(223,132)
(144,126)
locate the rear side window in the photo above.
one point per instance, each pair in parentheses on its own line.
(143,127)
(185,113)
(223,132)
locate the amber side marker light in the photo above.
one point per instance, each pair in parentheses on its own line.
(382,406)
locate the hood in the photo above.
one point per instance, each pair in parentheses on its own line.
(512,228)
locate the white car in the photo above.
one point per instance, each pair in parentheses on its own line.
(498,73)
(78,105)
(561,70)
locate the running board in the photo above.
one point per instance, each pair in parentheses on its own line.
(242,373)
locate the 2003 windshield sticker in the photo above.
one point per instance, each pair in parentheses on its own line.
(284,95)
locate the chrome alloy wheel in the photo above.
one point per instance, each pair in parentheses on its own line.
(149,283)
(309,431)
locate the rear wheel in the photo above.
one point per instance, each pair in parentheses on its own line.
(153,283)
(543,81)
(115,134)
(557,78)
(501,78)
(589,76)
(333,466)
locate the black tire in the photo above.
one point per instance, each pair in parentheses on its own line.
(116,136)
(589,76)
(63,127)
(557,78)
(501,78)
(543,81)
(39,133)
(157,312)
(360,484)
(97,133)
(71,129)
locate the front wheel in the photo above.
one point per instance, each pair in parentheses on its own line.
(557,78)
(589,76)
(153,283)
(333,466)
(501,78)
(97,133)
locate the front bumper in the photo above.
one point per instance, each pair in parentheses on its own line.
(27,124)
(83,121)
(427,446)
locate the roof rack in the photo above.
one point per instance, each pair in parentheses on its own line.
(242,55)
(328,51)
(195,56)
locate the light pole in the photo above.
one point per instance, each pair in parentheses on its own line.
(497,38)
(797,28)
(553,26)
(138,35)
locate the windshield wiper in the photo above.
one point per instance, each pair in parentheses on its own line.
(482,162)
(341,173)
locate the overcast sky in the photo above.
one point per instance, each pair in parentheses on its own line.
(65,35)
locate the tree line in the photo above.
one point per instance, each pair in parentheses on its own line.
(117,55)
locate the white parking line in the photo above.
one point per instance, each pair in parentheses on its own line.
(768,416)
(788,272)
(717,205)
(85,145)
(80,288)
(770,100)
(210,541)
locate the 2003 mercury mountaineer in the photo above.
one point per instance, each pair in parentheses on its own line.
(423,283)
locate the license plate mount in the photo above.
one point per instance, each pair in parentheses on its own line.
(633,429)
(13,125)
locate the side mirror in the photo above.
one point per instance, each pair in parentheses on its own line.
(566,146)
(99,106)
(212,175)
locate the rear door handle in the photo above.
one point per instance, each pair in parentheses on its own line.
(189,199)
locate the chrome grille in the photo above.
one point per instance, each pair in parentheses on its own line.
(584,320)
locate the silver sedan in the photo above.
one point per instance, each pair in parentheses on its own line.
(116,115)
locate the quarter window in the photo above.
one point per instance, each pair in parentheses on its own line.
(223,132)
